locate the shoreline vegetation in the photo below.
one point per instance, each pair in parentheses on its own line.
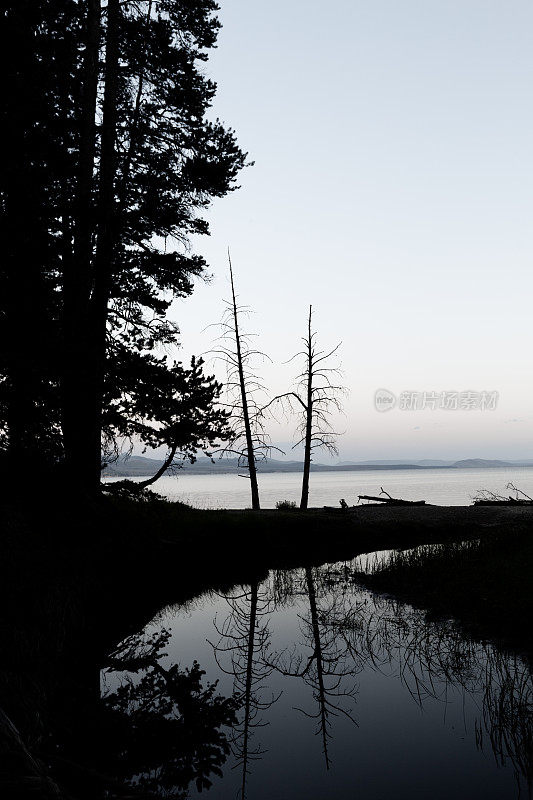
(78,578)
(482,584)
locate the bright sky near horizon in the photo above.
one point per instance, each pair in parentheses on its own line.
(392,189)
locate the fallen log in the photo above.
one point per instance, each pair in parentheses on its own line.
(392,501)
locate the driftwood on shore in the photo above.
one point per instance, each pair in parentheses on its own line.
(392,501)
(384,497)
(485,497)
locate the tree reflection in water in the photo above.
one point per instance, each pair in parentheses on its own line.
(326,667)
(343,632)
(163,727)
(244,636)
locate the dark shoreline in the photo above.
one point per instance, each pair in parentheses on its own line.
(79,577)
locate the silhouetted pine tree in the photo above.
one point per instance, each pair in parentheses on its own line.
(112,159)
(144,389)
(38,43)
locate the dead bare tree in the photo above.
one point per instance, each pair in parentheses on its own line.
(316,396)
(248,439)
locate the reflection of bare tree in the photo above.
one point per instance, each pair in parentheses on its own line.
(245,637)
(325,669)
(350,631)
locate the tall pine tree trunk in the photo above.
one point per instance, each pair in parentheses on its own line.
(308,418)
(24,243)
(104,255)
(77,374)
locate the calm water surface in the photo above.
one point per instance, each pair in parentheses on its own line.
(342,694)
(439,486)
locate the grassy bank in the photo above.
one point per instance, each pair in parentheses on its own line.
(486,584)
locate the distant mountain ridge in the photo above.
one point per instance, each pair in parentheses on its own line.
(476,463)
(140,466)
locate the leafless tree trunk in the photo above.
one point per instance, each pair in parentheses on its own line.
(316,398)
(248,440)
(308,415)
(254,488)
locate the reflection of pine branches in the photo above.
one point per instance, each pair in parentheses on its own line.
(163,726)
(245,637)
(325,669)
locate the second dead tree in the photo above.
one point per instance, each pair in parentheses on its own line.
(316,396)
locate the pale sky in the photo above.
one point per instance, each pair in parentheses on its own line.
(392,189)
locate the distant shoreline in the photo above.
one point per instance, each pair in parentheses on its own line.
(141,471)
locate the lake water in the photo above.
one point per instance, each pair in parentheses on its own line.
(339,694)
(439,486)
